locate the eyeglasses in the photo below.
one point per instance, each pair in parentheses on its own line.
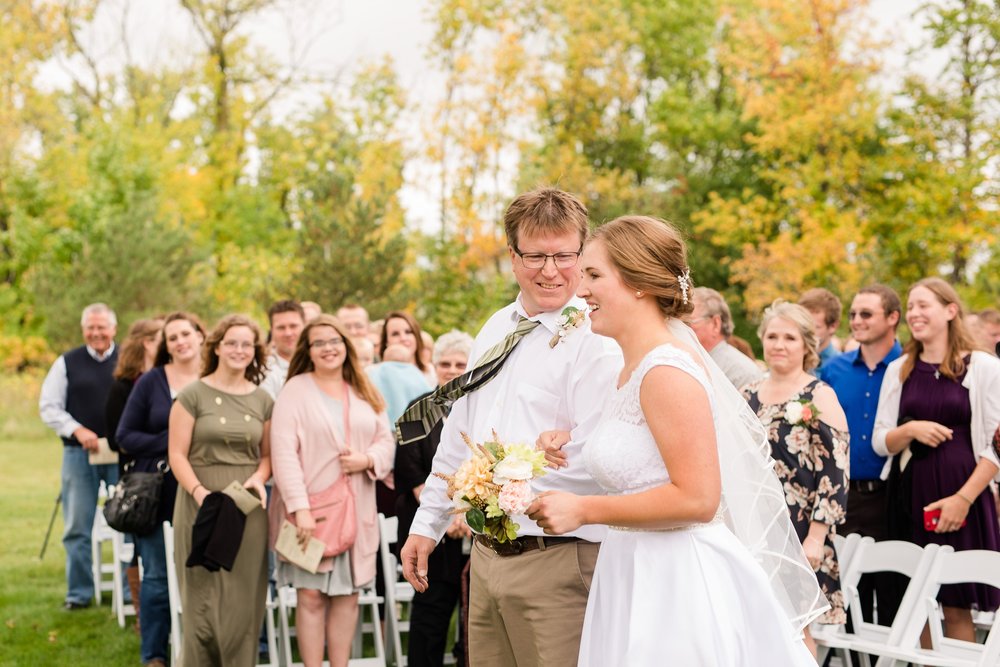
(863,314)
(331,342)
(448,365)
(237,345)
(536,260)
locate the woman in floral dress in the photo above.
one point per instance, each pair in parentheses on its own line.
(809,442)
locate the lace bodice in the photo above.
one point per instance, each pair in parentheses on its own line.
(621,454)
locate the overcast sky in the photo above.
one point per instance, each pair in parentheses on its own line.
(334,36)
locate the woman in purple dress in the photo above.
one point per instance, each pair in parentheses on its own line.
(938,408)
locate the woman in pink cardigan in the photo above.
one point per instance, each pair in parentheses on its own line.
(328,421)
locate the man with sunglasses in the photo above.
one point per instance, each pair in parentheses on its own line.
(856,377)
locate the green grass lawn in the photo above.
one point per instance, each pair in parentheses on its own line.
(36,630)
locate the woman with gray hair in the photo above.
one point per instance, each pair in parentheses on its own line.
(432,609)
(808,433)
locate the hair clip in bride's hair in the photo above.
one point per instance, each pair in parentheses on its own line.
(684,280)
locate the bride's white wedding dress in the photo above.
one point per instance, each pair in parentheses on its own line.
(689,597)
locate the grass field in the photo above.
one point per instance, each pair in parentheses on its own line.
(36,630)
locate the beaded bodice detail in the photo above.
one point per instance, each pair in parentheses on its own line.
(621,454)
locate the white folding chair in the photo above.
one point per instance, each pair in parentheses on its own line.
(975,566)
(287,601)
(122,553)
(398,592)
(173,593)
(270,609)
(825,635)
(984,621)
(868,557)
(103,573)
(368,602)
(845,545)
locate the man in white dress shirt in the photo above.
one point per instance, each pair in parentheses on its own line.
(287,320)
(72,403)
(528,598)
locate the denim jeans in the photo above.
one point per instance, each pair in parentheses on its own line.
(154,607)
(80,484)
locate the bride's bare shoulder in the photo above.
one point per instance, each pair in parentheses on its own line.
(690,351)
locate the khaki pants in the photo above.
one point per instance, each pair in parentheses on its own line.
(527,610)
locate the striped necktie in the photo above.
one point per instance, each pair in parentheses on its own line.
(421,417)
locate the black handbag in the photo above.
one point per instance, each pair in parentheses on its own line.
(134,503)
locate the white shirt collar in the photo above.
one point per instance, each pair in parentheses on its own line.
(275,361)
(101,357)
(548,319)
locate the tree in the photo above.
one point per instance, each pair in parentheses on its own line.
(804,221)
(347,169)
(28,32)
(136,279)
(941,195)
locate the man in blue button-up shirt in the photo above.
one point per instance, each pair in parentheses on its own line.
(856,377)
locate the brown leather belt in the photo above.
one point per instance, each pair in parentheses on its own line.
(522,544)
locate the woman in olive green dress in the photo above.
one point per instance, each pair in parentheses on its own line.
(219,433)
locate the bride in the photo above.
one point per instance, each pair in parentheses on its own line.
(701,565)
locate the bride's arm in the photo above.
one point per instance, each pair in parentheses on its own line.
(679,416)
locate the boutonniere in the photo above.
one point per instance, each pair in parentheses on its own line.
(571,318)
(801,413)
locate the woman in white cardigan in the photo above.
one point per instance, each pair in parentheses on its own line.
(938,408)
(328,421)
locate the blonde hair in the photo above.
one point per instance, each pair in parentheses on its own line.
(353,374)
(651,257)
(959,339)
(803,321)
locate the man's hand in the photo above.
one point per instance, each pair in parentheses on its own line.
(414,559)
(551,442)
(86,438)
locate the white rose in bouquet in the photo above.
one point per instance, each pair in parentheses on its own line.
(512,468)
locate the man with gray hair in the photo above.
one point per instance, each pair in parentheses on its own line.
(72,404)
(713,325)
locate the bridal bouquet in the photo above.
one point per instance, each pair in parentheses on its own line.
(494,485)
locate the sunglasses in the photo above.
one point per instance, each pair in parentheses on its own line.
(863,314)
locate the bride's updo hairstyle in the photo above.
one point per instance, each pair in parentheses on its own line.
(651,257)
